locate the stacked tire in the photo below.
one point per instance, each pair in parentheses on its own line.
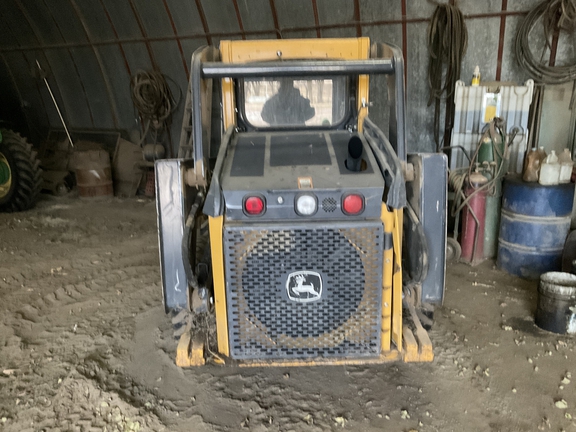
(20,174)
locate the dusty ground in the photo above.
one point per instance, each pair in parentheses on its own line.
(84,346)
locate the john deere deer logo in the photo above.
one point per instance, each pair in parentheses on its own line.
(304,286)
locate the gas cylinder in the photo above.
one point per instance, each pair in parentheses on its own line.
(474,219)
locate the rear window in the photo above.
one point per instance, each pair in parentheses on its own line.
(288,102)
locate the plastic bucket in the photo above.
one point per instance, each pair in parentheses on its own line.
(556,310)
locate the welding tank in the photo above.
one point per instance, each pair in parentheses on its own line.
(474,216)
(491,153)
(534,225)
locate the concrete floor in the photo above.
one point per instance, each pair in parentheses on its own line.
(85,346)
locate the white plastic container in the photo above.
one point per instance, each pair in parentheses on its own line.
(566,164)
(550,170)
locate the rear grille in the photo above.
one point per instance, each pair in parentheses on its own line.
(300,292)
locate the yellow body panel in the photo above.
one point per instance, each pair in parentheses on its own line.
(397,279)
(388,221)
(302,49)
(217,252)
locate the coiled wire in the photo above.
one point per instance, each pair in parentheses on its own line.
(153,99)
(556,15)
(447,42)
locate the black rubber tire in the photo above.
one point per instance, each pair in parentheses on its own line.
(453,250)
(25,171)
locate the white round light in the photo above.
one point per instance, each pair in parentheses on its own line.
(306,205)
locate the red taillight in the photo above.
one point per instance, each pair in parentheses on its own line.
(353,204)
(254,205)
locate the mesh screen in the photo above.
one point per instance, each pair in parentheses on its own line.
(340,271)
(329,205)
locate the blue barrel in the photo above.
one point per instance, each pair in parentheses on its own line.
(533,228)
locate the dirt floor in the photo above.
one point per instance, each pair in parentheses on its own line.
(85,346)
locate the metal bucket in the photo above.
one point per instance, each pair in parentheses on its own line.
(533,228)
(556,310)
(93,173)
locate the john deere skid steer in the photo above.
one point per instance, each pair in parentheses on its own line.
(293,230)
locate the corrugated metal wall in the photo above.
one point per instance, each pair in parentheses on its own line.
(90,48)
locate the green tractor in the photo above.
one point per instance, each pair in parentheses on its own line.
(20,174)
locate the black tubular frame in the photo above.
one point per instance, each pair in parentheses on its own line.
(385,60)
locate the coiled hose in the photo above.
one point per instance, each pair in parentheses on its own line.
(447,42)
(555,15)
(460,176)
(153,99)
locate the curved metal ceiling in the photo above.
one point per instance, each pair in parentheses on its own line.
(90,48)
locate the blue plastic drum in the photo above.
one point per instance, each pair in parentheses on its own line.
(534,225)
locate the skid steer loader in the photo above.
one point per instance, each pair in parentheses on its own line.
(292,229)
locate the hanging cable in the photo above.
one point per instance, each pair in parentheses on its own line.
(447,42)
(555,16)
(153,99)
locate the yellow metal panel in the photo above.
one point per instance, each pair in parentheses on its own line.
(388,221)
(183,350)
(397,279)
(228,102)
(363,87)
(216,225)
(264,50)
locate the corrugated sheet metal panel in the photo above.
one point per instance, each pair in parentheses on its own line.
(46,102)
(123,19)
(16,28)
(114,67)
(41,19)
(221,16)
(335,12)
(72,89)
(96,20)
(186,17)
(370,9)
(153,15)
(24,82)
(256,21)
(65,19)
(94,86)
(295,13)
(469,121)
(420,116)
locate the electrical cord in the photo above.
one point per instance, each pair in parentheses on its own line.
(447,42)
(555,15)
(153,100)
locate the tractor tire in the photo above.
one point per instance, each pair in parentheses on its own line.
(20,174)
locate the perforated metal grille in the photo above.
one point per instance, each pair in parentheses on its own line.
(264,322)
(329,205)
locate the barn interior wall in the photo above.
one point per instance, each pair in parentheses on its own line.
(89,49)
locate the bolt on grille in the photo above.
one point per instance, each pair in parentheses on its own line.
(338,272)
(329,205)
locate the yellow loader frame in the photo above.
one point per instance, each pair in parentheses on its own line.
(398,341)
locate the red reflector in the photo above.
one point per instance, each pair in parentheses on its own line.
(254,205)
(353,204)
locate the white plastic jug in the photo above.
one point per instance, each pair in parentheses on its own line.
(550,170)
(566,164)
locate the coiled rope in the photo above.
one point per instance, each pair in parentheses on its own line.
(447,42)
(555,16)
(153,99)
